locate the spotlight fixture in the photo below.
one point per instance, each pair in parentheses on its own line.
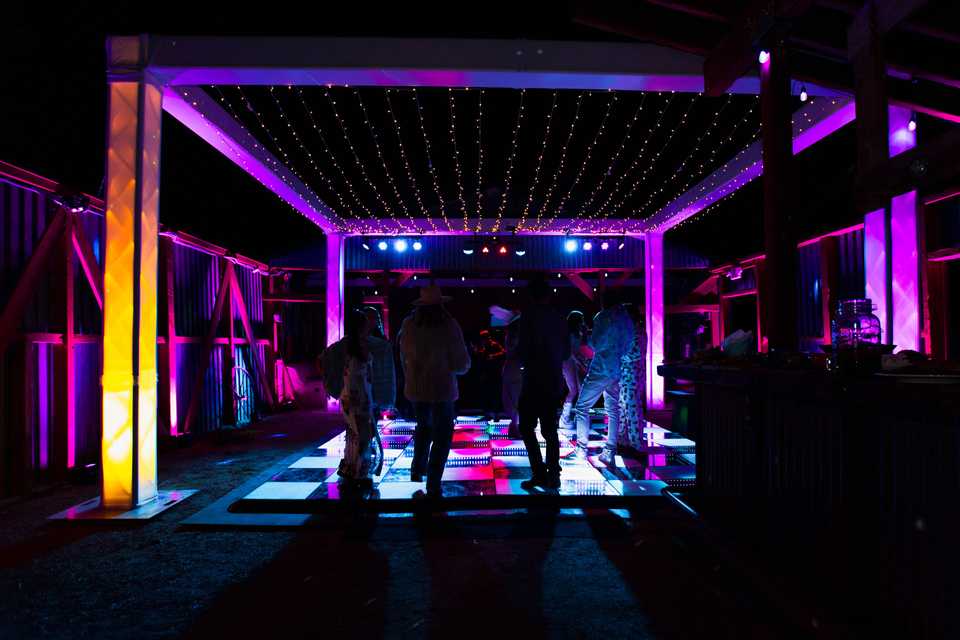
(912,124)
(803,93)
(604,245)
(511,278)
(513,290)
(764,56)
(417,245)
(382,245)
(485,249)
(75,203)
(520,252)
(366,247)
(400,245)
(588,246)
(467,251)
(623,243)
(503,250)
(570,245)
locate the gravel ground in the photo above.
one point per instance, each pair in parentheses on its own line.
(535,575)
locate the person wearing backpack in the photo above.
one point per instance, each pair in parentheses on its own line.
(358,371)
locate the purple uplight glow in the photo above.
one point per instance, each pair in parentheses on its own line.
(654,309)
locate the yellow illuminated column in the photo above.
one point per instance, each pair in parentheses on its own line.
(129,444)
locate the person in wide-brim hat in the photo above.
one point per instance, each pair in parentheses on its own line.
(431,295)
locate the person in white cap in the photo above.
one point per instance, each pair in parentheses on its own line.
(433,354)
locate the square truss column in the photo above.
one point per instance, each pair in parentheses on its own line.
(129,443)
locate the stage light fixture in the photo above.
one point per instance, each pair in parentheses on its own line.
(417,245)
(520,252)
(382,245)
(764,56)
(366,247)
(604,245)
(803,94)
(912,124)
(400,245)
(503,250)
(467,251)
(623,243)
(588,246)
(485,249)
(570,245)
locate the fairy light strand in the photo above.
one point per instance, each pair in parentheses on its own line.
(508,180)
(538,226)
(241,160)
(286,161)
(642,154)
(411,178)
(651,162)
(656,157)
(332,158)
(375,137)
(585,207)
(536,174)
(357,162)
(309,155)
(586,159)
(479,162)
(430,167)
(452,109)
(642,178)
(705,164)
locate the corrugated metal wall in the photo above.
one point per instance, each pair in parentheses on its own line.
(197,278)
(809,303)
(851,279)
(24,215)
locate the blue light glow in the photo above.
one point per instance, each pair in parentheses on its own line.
(570,245)
(400,245)
(382,245)
(417,245)
(588,246)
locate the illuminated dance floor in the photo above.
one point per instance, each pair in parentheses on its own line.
(484,471)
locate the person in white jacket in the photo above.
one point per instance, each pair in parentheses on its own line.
(433,354)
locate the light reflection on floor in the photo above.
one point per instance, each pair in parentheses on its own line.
(484,461)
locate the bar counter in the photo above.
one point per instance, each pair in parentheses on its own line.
(860,468)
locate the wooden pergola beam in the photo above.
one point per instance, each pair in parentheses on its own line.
(737,51)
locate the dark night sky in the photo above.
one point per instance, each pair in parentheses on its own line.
(52,114)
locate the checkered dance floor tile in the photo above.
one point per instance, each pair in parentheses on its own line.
(484,470)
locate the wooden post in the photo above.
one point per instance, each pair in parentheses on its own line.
(779,285)
(229,406)
(64,436)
